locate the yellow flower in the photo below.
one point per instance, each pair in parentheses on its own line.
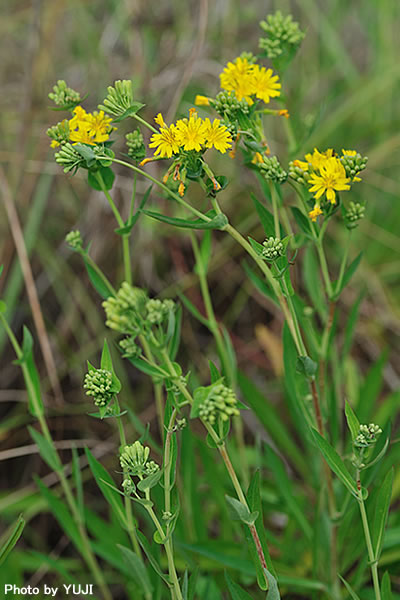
(202,100)
(317,158)
(217,135)
(257,158)
(165,142)
(191,133)
(80,117)
(266,85)
(159,119)
(238,77)
(349,152)
(315,212)
(99,126)
(82,136)
(332,178)
(284,113)
(54,144)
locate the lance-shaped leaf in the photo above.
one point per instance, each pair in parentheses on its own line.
(381,512)
(218,222)
(11,537)
(352,421)
(335,462)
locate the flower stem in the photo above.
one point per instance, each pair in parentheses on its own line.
(373,561)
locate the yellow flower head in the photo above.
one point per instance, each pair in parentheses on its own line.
(315,212)
(317,158)
(80,117)
(332,178)
(266,85)
(349,152)
(238,77)
(159,119)
(99,126)
(165,142)
(202,100)
(217,135)
(191,133)
(257,158)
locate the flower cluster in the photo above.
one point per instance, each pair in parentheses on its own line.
(135,143)
(325,173)
(368,435)
(271,168)
(220,403)
(74,240)
(119,98)
(134,460)
(249,81)
(63,96)
(99,384)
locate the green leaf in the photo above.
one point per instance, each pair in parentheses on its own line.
(259,283)
(96,281)
(106,173)
(350,589)
(145,367)
(236,592)
(46,450)
(258,248)
(152,560)
(218,222)
(3,307)
(351,269)
(137,568)
(241,511)
(254,502)
(102,477)
(87,153)
(106,364)
(61,513)
(273,590)
(306,366)
(10,538)
(267,220)
(312,280)
(215,375)
(352,421)
(175,340)
(193,310)
(381,512)
(335,462)
(31,375)
(386,589)
(132,110)
(77,477)
(205,250)
(302,221)
(150,481)
(201,394)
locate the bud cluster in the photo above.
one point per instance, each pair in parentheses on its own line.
(273,249)
(59,133)
(125,311)
(283,35)
(220,403)
(353,162)
(69,158)
(135,143)
(368,435)
(119,98)
(354,213)
(227,105)
(99,384)
(130,348)
(272,170)
(64,96)
(134,459)
(297,173)
(74,240)
(157,310)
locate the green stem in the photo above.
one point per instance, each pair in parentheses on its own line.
(98,271)
(371,555)
(86,549)
(157,387)
(128,502)
(343,263)
(125,238)
(324,268)
(132,208)
(145,123)
(275,210)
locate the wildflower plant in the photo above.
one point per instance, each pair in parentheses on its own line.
(301,197)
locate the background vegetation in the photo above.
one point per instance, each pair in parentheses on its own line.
(342,91)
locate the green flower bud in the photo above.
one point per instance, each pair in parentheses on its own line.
(221,403)
(368,435)
(98,383)
(353,162)
(135,143)
(249,56)
(134,458)
(125,312)
(68,158)
(272,170)
(297,173)
(228,106)
(130,348)
(283,36)
(74,240)
(158,310)
(59,133)
(119,98)
(273,249)
(64,96)
(128,486)
(354,213)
